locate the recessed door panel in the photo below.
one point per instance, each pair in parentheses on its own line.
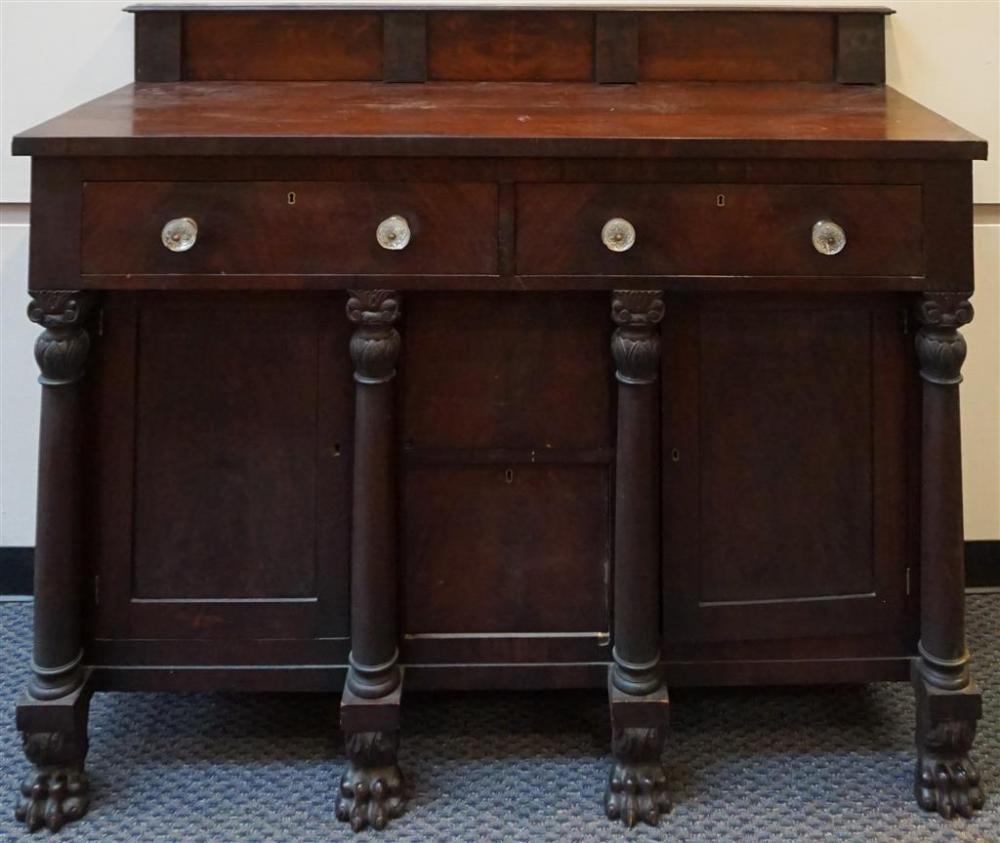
(491,370)
(224,458)
(500,550)
(784,468)
(507,452)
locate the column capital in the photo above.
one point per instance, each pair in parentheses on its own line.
(635,344)
(940,345)
(61,350)
(375,343)
(374,307)
(636,307)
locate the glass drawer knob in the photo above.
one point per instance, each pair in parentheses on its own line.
(618,235)
(179,235)
(393,233)
(828,238)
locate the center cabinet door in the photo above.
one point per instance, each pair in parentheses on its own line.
(223,457)
(785,472)
(506,457)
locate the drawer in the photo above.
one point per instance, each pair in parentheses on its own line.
(718,229)
(289,228)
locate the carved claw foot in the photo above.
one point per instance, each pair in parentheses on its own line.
(637,786)
(57,790)
(371,788)
(946,780)
(53,797)
(637,792)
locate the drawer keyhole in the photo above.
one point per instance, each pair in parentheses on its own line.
(720,200)
(291,197)
(508,476)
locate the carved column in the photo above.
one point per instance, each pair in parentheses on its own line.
(638,695)
(52,713)
(948,702)
(635,347)
(370,791)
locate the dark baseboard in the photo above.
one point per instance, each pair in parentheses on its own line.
(17,568)
(982,564)
(982,567)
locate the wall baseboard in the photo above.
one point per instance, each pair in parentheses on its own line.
(982,564)
(17,568)
(982,567)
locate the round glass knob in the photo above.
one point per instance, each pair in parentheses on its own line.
(618,235)
(179,235)
(393,233)
(828,238)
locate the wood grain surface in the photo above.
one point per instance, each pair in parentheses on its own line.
(774,120)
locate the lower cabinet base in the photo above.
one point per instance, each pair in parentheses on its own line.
(501,491)
(372,791)
(498,677)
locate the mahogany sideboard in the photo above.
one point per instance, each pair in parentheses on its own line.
(454,348)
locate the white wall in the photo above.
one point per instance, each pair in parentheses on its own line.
(54,55)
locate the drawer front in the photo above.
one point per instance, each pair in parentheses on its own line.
(718,229)
(262,228)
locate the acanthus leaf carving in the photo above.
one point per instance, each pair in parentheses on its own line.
(941,348)
(375,343)
(61,350)
(635,344)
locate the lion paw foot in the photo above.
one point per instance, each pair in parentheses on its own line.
(52,797)
(637,792)
(948,785)
(370,796)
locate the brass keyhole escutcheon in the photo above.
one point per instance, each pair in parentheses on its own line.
(291,197)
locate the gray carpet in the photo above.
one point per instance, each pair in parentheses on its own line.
(763,764)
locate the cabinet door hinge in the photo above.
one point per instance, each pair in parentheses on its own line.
(100,322)
(97,591)
(907,582)
(906,321)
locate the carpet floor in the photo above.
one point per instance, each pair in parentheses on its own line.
(781,764)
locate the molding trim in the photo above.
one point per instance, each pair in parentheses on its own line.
(982,567)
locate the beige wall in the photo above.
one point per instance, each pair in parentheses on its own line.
(54,55)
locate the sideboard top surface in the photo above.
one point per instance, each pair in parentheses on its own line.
(778,120)
(477,79)
(497,6)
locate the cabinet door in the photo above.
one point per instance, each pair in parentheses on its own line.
(223,467)
(507,428)
(785,472)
